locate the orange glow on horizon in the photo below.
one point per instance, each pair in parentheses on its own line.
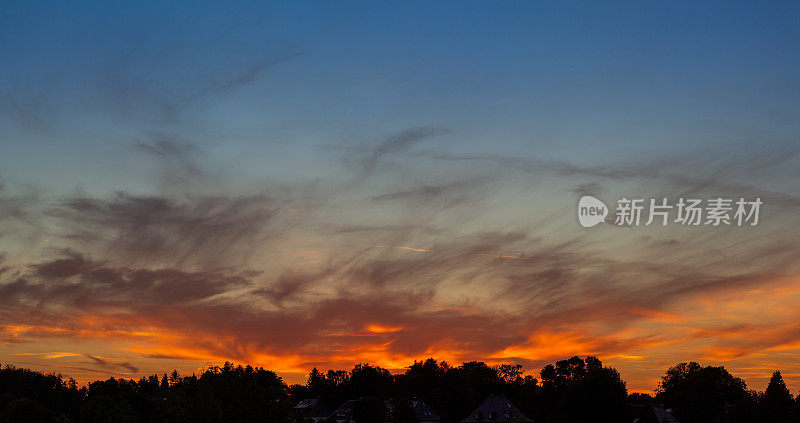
(642,350)
(382,329)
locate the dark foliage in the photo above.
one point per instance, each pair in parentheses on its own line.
(575,390)
(778,404)
(572,390)
(704,394)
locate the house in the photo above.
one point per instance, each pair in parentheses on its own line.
(496,408)
(344,414)
(423,413)
(312,410)
(649,414)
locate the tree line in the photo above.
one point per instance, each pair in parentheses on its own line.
(571,390)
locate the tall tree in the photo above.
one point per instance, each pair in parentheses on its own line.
(778,403)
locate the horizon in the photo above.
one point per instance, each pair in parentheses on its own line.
(320,185)
(304,379)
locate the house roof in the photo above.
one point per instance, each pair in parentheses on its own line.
(663,415)
(307,403)
(496,408)
(346,409)
(313,407)
(423,412)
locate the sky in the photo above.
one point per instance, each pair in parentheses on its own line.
(320,184)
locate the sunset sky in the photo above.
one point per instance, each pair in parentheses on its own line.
(325,184)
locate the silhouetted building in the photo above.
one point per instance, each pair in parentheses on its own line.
(312,409)
(496,408)
(344,414)
(649,414)
(423,413)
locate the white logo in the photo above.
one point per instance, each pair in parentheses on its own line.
(591,211)
(686,211)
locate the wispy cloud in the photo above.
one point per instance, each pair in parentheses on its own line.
(294,277)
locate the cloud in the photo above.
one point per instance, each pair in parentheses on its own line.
(178,157)
(592,189)
(251,73)
(692,175)
(17,208)
(96,360)
(169,357)
(191,230)
(398,143)
(293,276)
(559,288)
(128,366)
(451,194)
(82,283)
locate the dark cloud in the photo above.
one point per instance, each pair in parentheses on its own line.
(169,357)
(81,283)
(109,364)
(179,264)
(71,265)
(291,284)
(546,287)
(62,366)
(128,366)
(453,193)
(96,360)
(191,230)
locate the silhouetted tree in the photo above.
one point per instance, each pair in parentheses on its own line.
(509,373)
(700,394)
(337,378)
(572,390)
(467,386)
(575,390)
(640,399)
(796,412)
(25,410)
(366,380)
(777,404)
(370,409)
(53,396)
(316,379)
(424,380)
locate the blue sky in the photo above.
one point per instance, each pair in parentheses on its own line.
(268,164)
(560,80)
